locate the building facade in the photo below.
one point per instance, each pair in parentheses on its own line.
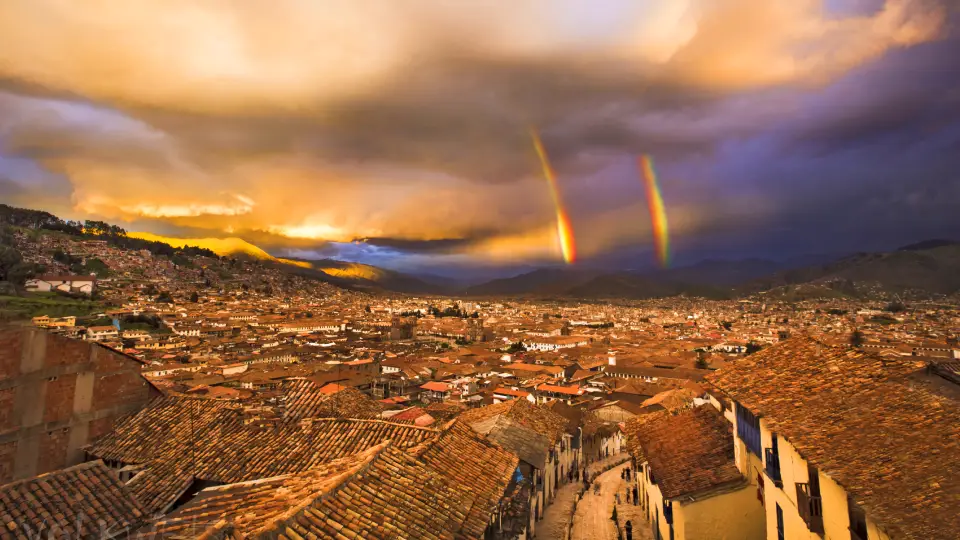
(58,395)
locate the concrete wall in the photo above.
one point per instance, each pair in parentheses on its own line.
(57,395)
(735,515)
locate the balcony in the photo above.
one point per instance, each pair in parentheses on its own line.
(772,466)
(810,507)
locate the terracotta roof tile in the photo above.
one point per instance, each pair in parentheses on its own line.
(76,502)
(381,493)
(215,442)
(892,443)
(688,452)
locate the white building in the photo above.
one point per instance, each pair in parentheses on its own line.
(62,283)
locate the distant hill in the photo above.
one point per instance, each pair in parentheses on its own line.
(720,273)
(366,276)
(931,267)
(917,269)
(710,278)
(928,244)
(640,286)
(345,274)
(220,246)
(542,282)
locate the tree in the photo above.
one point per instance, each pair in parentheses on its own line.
(753,347)
(164,298)
(12,267)
(727,325)
(517,347)
(367,309)
(856,339)
(702,362)
(194,297)
(895,307)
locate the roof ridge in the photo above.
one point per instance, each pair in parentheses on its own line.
(373,421)
(78,467)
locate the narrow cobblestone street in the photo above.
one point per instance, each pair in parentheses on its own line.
(557,515)
(592,521)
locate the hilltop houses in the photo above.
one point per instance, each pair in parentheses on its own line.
(62,283)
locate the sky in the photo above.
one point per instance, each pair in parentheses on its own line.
(398,133)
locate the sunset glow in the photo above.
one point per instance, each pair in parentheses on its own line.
(299,127)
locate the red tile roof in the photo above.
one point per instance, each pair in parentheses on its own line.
(511,392)
(77,502)
(435,386)
(888,439)
(689,453)
(213,440)
(381,493)
(569,390)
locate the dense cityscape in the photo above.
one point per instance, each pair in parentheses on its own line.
(213,396)
(480,270)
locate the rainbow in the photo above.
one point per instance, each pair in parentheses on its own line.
(658,214)
(564,230)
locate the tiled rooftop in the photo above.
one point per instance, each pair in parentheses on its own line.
(540,419)
(305,399)
(381,493)
(893,444)
(214,442)
(83,501)
(689,452)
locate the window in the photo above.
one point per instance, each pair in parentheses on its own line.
(858,521)
(779,523)
(772,459)
(748,430)
(809,503)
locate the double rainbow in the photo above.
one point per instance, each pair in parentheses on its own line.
(564,230)
(658,214)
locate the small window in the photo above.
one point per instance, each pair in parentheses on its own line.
(779,523)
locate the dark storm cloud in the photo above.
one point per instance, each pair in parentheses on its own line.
(420,131)
(908,95)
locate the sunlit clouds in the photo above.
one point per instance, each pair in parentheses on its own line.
(303,126)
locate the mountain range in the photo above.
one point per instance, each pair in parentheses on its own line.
(930,267)
(924,268)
